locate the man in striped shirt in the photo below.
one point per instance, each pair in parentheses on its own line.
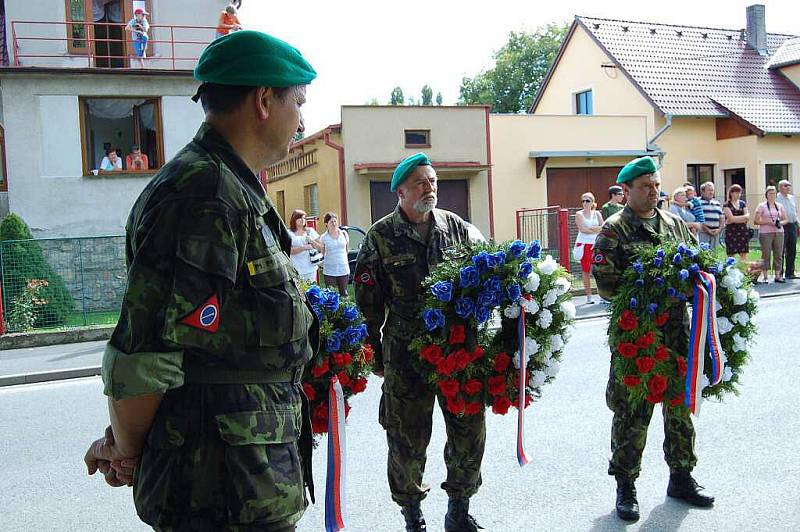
(712,212)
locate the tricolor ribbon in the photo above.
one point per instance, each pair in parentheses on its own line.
(704,332)
(334,482)
(523,378)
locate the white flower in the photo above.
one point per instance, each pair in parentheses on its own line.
(537,379)
(568,308)
(739,343)
(723,359)
(740,297)
(717,306)
(704,382)
(550,297)
(545,318)
(727,374)
(551,370)
(741,318)
(548,265)
(512,311)
(556,343)
(733,278)
(753,295)
(531,346)
(530,306)
(562,285)
(724,325)
(532,284)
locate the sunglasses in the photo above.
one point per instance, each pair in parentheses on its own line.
(586,201)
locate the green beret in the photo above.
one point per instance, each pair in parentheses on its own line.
(635,168)
(253,59)
(407,166)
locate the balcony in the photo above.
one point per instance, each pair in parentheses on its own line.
(104,45)
(290,166)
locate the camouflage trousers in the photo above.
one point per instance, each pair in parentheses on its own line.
(629,434)
(406,412)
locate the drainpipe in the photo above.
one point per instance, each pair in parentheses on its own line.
(342,188)
(489,182)
(651,146)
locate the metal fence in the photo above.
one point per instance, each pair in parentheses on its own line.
(62,282)
(548,227)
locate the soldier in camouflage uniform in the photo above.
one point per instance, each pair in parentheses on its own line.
(640,223)
(398,253)
(202,370)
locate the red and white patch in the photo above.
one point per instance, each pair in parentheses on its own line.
(600,258)
(205,317)
(364,276)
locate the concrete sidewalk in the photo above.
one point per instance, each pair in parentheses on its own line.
(68,361)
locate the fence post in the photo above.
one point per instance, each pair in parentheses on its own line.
(83,285)
(519,213)
(2,281)
(563,238)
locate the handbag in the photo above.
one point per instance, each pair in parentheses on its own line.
(315,256)
(577,252)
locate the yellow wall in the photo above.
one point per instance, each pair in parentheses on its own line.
(793,73)
(579,69)
(777,149)
(325,174)
(688,141)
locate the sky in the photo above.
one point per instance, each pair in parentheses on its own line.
(362,49)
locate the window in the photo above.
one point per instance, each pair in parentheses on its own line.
(583,103)
(96,27)
(77,33)
(311,197)
(118,124)
(418,138)
(776,173)
(697,174)
(280,204)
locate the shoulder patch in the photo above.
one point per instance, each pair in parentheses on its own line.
(364,276)
(205,317)
(599,258)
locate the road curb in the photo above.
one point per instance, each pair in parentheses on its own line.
(47,376)
(41,339)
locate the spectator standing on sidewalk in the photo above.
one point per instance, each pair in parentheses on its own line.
(681,208)
(737,234)
(712,214)
(589,222)
(614,203)
(770,217)
(787,201)
(335,268)
(694,205)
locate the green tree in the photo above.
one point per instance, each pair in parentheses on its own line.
(520,67)
(300,135)
(396,97)
(439,98)
(427,95)
(22,262)
(412,101)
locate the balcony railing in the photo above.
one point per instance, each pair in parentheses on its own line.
(88,45)
(291,166)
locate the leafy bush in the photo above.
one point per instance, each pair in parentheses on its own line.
(23,261)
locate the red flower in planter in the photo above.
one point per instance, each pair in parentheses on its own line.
(322,369)
(676,401)
(645,364)
(432,353)
(497,385)
(471,387)
(662,353)
(646,340)
(627,321)
(657,384)
(501,362)
(449,388)
(359,385)
(446,366)
(500,405)
(654,399)
(456,405)
(311,393)
(631,381)
(681,366)
(627,350)
(344,378)
(342,360)
(472,408)
(461,358)
(661,319)
(475,355)
(457,334)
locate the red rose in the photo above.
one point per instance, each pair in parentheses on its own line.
(627,321)
(461,358)
(449,387)
(500,405)
(320,370)
(472,408)
(661,319)
(311,393)
(627,349)
(359,385)
(319,418)
(662,353)
(631,381)
(432,353)
(446,366)
(456,405)
(472,387)
(497,385)
(681,366)
(676,401)
(368,352)
(646,340)
(657,384)
(654,399)
(475,355)
(457,335)
(342,360)
(645,364)
(501,362)
(344,379)
(319,427)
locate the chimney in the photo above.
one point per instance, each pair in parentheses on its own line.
(757,28)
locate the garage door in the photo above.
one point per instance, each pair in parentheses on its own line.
(565,185)
(453,196)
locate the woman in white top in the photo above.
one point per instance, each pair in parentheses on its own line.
(589,221)
(334,242)
(304,240)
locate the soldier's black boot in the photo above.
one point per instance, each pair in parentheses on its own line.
(458,518)
(627,505)
(683,486)
(415,522)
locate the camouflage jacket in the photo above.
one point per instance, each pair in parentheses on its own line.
(392,264)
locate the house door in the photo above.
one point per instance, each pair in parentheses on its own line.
(565,185)
(734,176)
(453,196)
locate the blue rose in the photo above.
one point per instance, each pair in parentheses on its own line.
(516,248)
(634,303)
(638,267)
(694,268)
(693,253)
(730,262)
(434,319)
(350,313)
(442,290)
(353,335)
(660,253)
(534,250)
(493,284)
(469,276)
(677,258)
(705,246)
(659,281)
(682,249)
(525,269)
(486,298)
(329,300)
(514,292)
(464,307)
(713,270)
(681,297)
(317,311)
(334,342)
(657,261)
(652,308)
(313,294)
(481,261)
(499,258)
(683,274)
(364,331)
(491,261)
(671,292)
(639,283)
(482,314)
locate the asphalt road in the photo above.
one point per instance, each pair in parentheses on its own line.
(747,447)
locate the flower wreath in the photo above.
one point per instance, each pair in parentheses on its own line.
(461,356)
(652,291)
(343,353)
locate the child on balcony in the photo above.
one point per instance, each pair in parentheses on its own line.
(138,26)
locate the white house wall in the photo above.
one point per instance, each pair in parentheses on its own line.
(43,149)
